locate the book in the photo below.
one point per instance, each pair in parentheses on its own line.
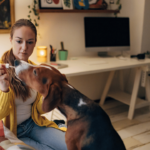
(57,65)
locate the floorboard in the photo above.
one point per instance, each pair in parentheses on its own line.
(134,133)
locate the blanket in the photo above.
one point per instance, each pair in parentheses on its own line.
(8,141)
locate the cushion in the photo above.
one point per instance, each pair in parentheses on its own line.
(8,141)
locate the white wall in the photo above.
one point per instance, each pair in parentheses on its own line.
(135,10)
(146,28)
(69,28)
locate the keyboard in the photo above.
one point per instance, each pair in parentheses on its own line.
(97,62)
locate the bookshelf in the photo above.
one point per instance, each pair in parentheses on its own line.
(76,11)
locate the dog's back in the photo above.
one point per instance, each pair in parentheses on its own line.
(101,130)
(98,130)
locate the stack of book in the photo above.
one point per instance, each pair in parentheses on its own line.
(57,65)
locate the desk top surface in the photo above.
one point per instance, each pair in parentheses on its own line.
(89,65)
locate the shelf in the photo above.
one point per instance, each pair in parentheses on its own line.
(76,11)
(125,98)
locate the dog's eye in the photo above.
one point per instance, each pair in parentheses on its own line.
(44,80)
(34,72)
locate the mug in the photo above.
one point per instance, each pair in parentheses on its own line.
(63,54)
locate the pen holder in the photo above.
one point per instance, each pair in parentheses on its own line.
(53,57)
(63,54)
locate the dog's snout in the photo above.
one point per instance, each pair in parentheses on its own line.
(16,63)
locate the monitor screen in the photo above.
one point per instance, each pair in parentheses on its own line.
(106,33)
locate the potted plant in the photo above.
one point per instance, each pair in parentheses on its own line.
(62,52)
(33,13)
(119,6)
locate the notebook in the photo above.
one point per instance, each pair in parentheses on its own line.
(57,65)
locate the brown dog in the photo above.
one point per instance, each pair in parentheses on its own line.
(88,126)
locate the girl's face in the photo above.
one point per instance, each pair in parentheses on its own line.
(23,42)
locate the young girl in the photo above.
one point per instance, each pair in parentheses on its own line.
(20,106)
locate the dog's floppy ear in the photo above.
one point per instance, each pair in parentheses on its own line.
(53,98)
(65,77)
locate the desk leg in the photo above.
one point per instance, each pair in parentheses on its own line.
(121,78)
(134,93)
(147,88)
(107,86)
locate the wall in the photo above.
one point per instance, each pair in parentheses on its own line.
(146,28)
(135,9)
(68,27)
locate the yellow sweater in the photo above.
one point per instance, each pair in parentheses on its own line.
(9,116)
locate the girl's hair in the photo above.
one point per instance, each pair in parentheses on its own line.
(23,22)
(15,84)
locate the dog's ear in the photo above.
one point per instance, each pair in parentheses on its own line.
(65,77)
(53,98)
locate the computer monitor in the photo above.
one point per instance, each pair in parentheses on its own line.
(103,34)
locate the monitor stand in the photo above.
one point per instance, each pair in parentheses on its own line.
(103,54)
(121,56)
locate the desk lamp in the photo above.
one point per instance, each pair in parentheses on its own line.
(42,54)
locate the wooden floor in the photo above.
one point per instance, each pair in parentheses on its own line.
(135,133)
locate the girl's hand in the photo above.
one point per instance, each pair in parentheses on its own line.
(4,79)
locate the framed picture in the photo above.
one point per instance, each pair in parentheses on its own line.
(67,4)
(50,4)
(7,15)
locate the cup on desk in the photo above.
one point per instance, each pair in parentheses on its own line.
(53,57)
(62,54)
(52,53)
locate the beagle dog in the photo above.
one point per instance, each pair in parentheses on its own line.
(88,126)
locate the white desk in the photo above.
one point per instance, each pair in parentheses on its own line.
(80,67)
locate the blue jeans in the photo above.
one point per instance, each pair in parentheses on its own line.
(41,138)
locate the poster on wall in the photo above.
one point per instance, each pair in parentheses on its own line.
(7,16)
(50,4)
